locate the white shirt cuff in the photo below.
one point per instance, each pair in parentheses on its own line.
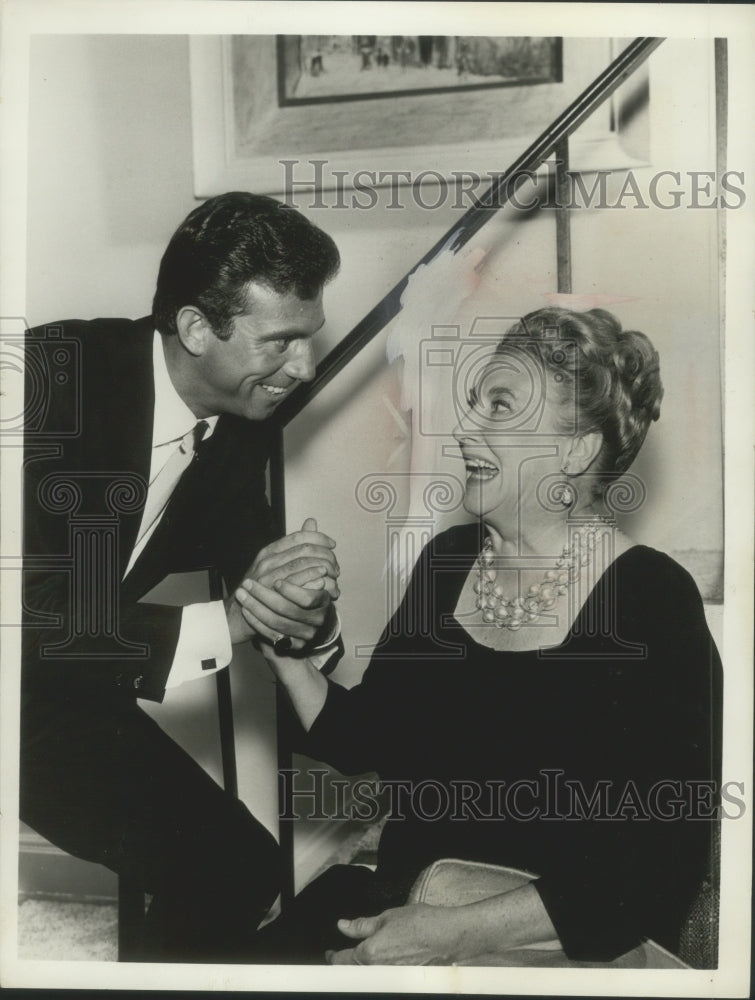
(321,657)
(323,651)
(332,638)
(204,643)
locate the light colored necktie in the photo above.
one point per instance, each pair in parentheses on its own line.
(162,486)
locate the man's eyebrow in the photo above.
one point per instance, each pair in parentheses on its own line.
(292,332)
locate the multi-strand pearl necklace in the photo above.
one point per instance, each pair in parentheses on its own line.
(514,612)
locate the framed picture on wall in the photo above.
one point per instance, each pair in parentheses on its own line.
(316,69)
(385,105)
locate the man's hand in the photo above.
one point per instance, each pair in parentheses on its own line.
(417,934)
(288,589)
(299,558)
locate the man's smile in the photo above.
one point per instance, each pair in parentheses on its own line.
(274,390)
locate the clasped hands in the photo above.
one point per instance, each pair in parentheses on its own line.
(288,590)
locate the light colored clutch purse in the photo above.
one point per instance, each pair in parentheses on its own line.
(448,882)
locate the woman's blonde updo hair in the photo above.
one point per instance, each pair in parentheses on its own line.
(610,376)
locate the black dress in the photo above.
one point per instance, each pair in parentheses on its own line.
(594,764)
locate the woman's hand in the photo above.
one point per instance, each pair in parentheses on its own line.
(285,610)
(304,684)
(417,934)
(420,934)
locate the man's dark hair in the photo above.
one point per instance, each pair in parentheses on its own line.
(233,239)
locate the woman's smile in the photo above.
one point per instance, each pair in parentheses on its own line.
(479,468)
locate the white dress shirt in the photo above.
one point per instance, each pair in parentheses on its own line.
(204,636)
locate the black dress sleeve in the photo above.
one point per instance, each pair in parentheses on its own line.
(632,868)
(364,728)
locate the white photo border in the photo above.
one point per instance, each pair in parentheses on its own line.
(22,19)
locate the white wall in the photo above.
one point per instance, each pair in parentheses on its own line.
(109,170)
(110,176)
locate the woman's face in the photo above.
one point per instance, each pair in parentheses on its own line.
(512,438)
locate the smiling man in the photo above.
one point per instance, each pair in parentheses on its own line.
(165,471)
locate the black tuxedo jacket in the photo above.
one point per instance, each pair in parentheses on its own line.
(88,437)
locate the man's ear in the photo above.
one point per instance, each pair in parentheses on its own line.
(194,330)
(582,452)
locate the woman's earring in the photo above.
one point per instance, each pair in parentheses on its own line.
(566,492)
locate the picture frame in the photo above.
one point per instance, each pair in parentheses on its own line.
(247,135)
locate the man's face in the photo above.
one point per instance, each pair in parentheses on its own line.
(267,355)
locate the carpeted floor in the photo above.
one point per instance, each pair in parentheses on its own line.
(59,930)
(63,931)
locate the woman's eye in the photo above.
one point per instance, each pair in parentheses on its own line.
(489,407)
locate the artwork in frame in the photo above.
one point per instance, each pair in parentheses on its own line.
(260,102)
(314,69)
